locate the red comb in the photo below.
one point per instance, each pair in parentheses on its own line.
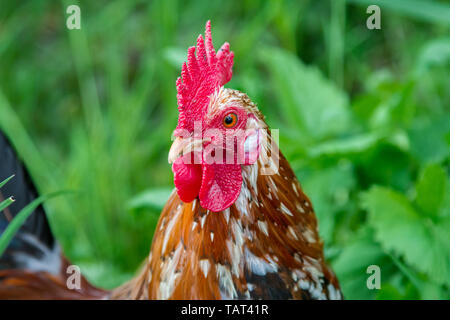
(200,77)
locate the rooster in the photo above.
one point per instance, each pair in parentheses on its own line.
(236,226)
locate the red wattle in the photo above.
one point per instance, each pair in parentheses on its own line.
(187,179)
(220,187)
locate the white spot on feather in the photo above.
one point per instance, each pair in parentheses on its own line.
(226,284)
(333,293)
(235,248)
(250,174)
(204,265)
(202,219)
(168,231)
(259,266)
(226,214)
(304,284)
(242,202)
(163,223)
(263,227)
(294,186)
(300,208)
(314,291)
(292,232)
(313,267)
(168,275)
(285,210)
(309,236)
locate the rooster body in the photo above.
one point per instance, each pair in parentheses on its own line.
(229,230)
(264,246)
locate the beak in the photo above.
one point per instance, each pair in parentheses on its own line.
(182,146)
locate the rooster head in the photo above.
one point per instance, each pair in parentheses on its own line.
(218,129)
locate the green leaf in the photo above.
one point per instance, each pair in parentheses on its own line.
(340,181)
(389,292)
(345,146)
(20,219)
(429,139)
(153,198)
(5,181)
(399,228)
(426,289)
(297,86)
(431,189)
(351,267)
(435,53)
(385,165)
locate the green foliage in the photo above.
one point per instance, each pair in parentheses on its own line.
(14,226)
(400,228)
(313,115)
(352,262)
(431,189)
(363,114)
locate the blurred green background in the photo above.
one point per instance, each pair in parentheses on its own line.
(364,117)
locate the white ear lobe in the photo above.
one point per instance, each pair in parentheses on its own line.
(251,146)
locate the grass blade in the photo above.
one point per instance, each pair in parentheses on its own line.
(5,181)
(21,217)
(6,203)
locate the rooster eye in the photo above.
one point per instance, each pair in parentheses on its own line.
(230,120)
